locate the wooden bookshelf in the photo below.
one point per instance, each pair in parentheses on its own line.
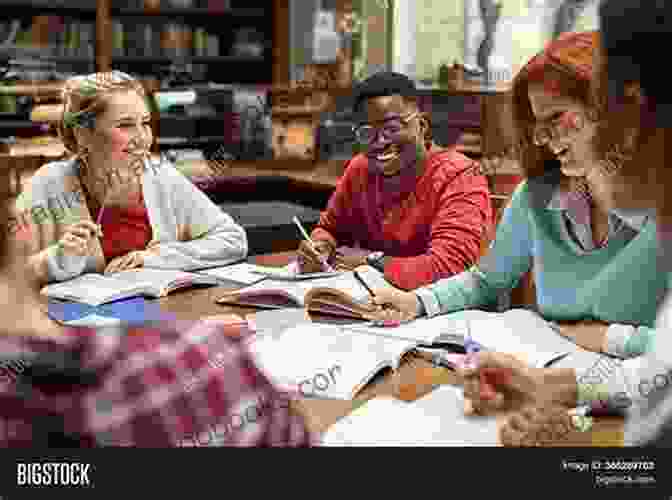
(221,68)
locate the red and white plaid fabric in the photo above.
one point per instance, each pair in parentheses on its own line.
(158,386)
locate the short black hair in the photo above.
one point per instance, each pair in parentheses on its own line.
(385,83)
(631,30)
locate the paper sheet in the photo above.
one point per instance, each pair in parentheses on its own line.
(239,273)
(435,420)
(322,360)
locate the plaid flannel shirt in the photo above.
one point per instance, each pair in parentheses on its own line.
(160,385)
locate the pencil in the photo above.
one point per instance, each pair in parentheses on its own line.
(325,264)
(100,219)
(361,280)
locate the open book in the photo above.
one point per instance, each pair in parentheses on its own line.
(325,360)
(337,361)
(340,295)
(436,419)
(517,331)
(96,289)
(249,274)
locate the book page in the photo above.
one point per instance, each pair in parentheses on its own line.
(93,289)
(246,274)
(373,277)
(289,273)
(158,278)
(422,330)
(520,332)
(345,282)
(436,419)
(320,360)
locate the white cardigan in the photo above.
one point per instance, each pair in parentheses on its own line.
(188,230)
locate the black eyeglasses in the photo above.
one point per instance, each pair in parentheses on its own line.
(365,134)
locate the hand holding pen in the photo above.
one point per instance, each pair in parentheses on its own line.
(389,316)
(493,379)
(314,252)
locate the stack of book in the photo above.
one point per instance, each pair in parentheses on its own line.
(37,135)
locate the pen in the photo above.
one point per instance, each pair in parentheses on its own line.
(361,280)
(100,218)
(489,377)
(325,264)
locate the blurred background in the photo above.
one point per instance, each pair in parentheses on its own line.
(250,98)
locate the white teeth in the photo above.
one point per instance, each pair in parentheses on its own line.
(387,156)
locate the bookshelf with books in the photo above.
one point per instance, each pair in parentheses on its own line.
(224,41)
(211,41)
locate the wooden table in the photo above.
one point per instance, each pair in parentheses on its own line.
(415,378)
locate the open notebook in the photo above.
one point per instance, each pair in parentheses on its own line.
(351,355)
(436,419)
(324,360)
(96,289)
(517,331)
(249,274)
(340,295)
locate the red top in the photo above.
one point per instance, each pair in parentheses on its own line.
(431,226)
(125,229)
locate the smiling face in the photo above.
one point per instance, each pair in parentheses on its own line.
(401,143)
(564,129)
(120,140)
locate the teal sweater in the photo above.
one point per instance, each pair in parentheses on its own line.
(619,283)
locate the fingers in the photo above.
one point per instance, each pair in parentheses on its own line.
(383,296)
(77,239)
(536,426)
(324,247)
(129,261)
(74,245)
(478,401)
(84,229)
(307,252)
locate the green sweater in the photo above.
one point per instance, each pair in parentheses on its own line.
(618,284)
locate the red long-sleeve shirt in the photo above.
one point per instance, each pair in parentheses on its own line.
(433,232)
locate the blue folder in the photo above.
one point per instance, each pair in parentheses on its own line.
(131,311)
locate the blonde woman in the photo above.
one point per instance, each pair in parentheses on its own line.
(109,208)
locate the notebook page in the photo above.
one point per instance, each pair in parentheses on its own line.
(345,282)
(437,419)
(290,273)
(91,288)
(523,333)
(244,273)
(422,330)
(373,277)
(159,278)
(323,360)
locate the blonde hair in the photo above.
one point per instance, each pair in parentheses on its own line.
(84,97)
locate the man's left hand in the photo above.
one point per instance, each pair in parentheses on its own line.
(343,262)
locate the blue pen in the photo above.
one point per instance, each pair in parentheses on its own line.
(470,345)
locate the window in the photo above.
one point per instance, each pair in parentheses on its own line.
(428,33)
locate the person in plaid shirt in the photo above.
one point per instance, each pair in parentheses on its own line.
(164,384)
